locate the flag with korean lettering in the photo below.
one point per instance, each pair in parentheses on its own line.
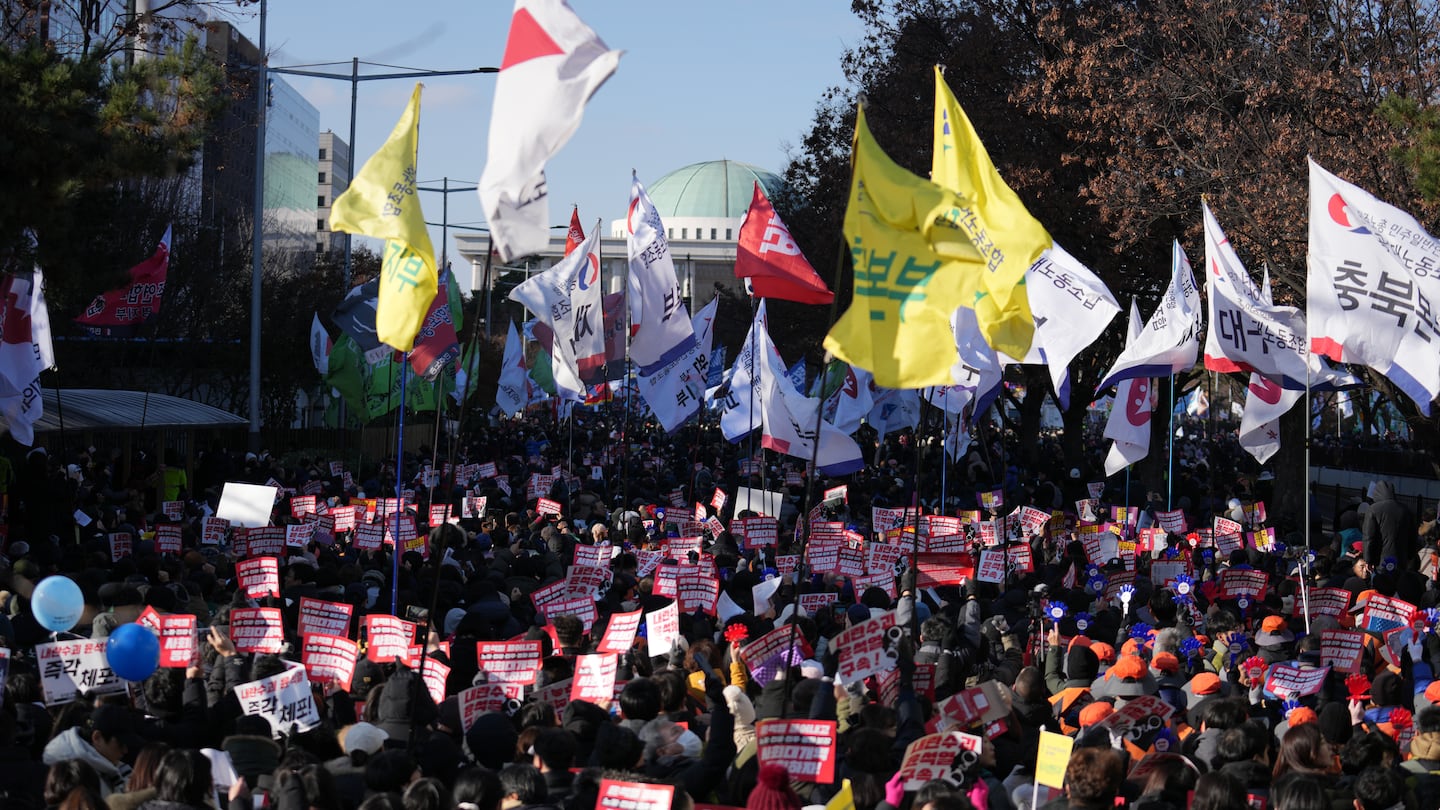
(1244,332)
(660,328)
(909,272)
(789,419)
(1170,340)
(1008,238)
(383,202)
(553,64)
(512,393)
(562,299)
(1372,287)
(119,312)
(437,345)
(977,368)
(1072,307)
(675,392)
(1128,428)
(739,415)
(767,255)
(588,344)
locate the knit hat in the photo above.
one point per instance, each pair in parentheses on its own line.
(1095,713)
(1301,715)
(773,791)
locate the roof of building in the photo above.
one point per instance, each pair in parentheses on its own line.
(716,188)
(104,409)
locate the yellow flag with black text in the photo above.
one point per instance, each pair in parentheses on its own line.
(1007,237)
(908,264)
(382,202)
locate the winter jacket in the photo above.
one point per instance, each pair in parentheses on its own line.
(1390,529)
(71,744)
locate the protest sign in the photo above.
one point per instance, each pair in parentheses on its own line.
(933,569)
(167,538)
(812,603)
(1324,602)
(772,652)
(330,659)
(620,632)
(1236,582)
(258,630)
(122,544)
(662,629)
(434,675)
(698,590)
(619,795)
(509,661)
(173,510)
(284,700)
(299,535)
(1173,521)
(388,638)
(266,541)
(483,699)
(805,748)
(259,576)
(933,757)
(992,566)
(178,642)
(1052,758)
(325,618)
(1384,613)
(247,505)
(68,668)
(370,536)
(212,531)
(594,679)
(1294,681)
(761,531)
(593,556)
(545,506)
(867,648)
(1341,650)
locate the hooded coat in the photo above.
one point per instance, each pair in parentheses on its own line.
(71,744)
(1390,529)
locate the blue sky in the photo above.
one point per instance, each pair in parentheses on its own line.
(698,81)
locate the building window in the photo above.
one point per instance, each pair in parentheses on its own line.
(322,177)
(320,201)
(684,232)
(319,247)
(322,153)
(319,224)
(727,234)
(712,233)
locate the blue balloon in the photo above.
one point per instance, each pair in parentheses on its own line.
(133,651)
(57,603)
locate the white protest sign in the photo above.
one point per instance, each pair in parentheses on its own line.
(284,700)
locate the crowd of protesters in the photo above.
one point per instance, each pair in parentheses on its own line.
(1062,645)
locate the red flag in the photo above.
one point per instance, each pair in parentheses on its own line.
(576,234)
(120,312)
(769,257)
(436,344)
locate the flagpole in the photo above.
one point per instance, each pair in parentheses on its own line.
(469,372)
(1305,555)
(397,548)
(750,441)
(1170,452)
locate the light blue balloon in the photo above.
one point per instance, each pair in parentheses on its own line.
(57,603)
(133,651)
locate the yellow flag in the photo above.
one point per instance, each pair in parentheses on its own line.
(1008,238)
(382,202)
(908,264)
(844,800)
(1053,758)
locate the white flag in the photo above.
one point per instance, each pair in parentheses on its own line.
(677,391)
(1265,403)
(789,418)
(553,63)
(556,298)
(588,343)
(894,410)
(978,368)
(1373,287)
(854,399)
(1128,427)
(512,394)
(319,346)
(660,328)
(737,416)
(1170,341)
(1245,333)
(1071,307)
(25,351)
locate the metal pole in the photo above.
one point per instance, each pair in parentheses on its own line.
(350,168)
(398,546)
(257,237)
(444,222)
(1170,453)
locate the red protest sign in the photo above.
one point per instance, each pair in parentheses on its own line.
(388,638)
(617,795)
(806,748)
(545,506)
(1290,680)
(942,569)
(620,632)
(1341,649)
(259,576)
(330,659)
(1236,582)
(1386,613)
(324,618)
(258,630)
(1324,602)
(302,505)
(178,643)
(594,679)
(867,649)
(509,661)
(698,591)
(933,757)
(167,538)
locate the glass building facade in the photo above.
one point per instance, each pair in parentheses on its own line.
(292,128)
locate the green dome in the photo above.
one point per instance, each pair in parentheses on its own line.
(716,188)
